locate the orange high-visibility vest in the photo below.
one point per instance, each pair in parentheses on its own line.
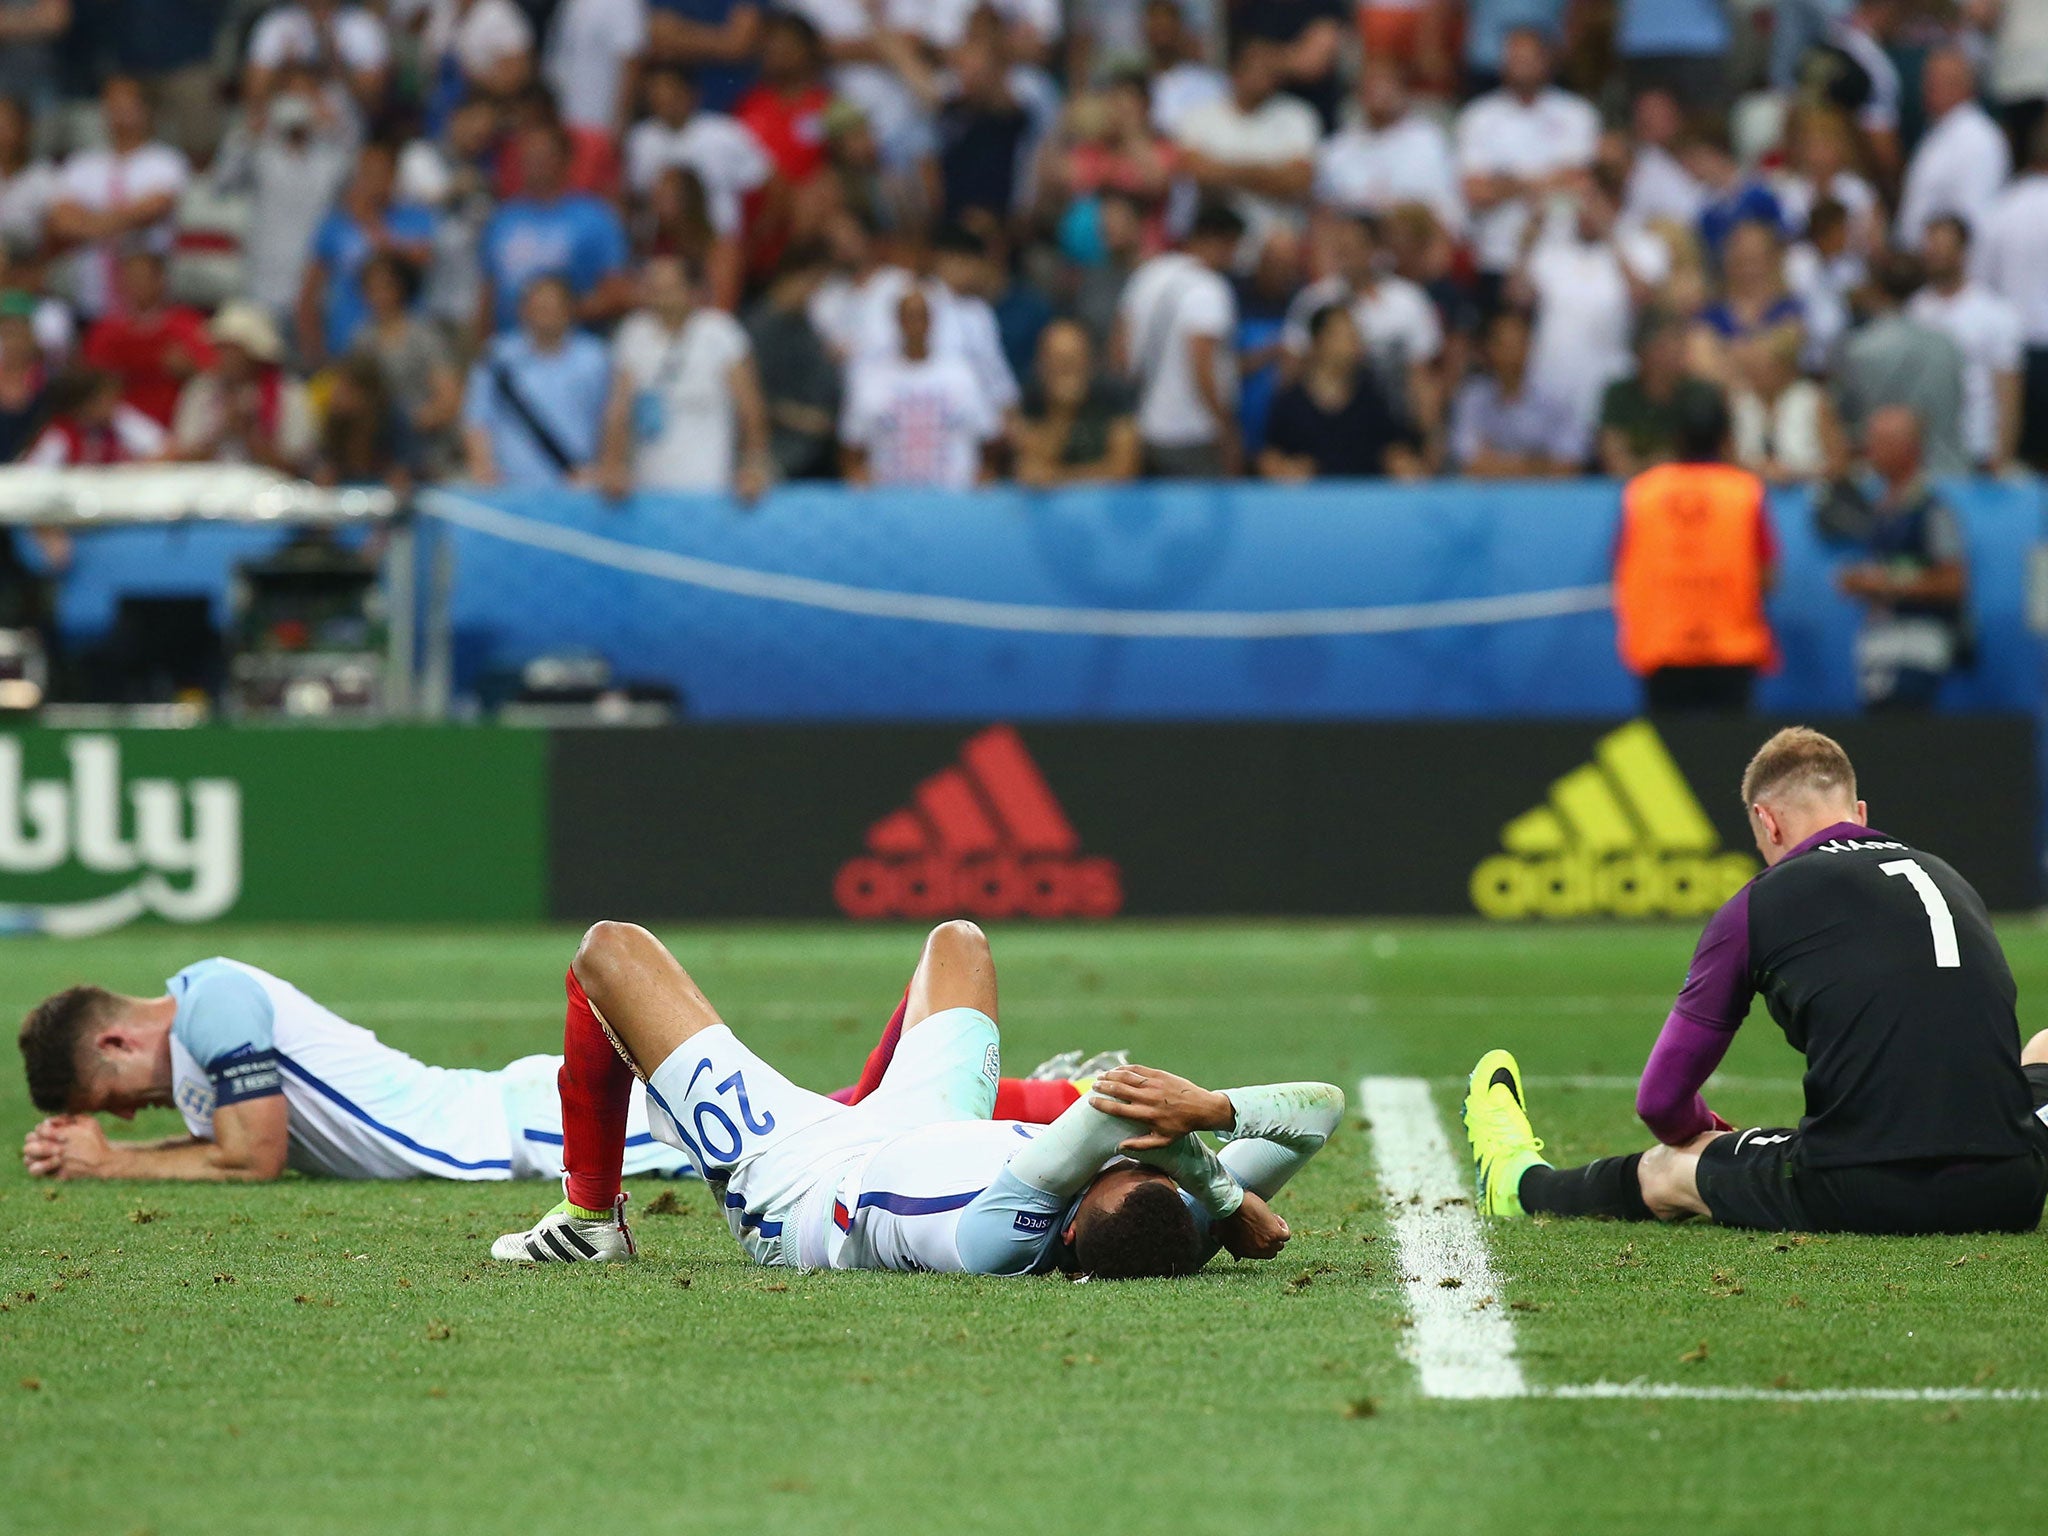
(1690,568)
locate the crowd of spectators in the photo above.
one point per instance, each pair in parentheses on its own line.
(718,244)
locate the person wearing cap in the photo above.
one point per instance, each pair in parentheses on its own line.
(245,409)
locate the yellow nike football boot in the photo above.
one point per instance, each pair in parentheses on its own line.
(1504,1146)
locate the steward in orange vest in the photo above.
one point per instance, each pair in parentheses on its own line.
(1691,567)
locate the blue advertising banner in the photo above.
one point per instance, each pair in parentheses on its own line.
(1325,601)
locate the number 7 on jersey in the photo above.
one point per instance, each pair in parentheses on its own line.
(1948,955)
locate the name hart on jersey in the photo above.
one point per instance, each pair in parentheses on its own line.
(112,827)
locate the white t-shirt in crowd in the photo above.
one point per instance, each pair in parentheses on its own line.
(588,44)
(1961,163)
(1786,429)
(920,423)
(1660,188)
(2019,54)
(1797,196)
(839,308)
(943,23)
(1879,114)
(1986,330)
(1180,90)
(1279,131)
(289,35)
(1169,301)
(140,437)
(963,326)
(25,199)
(717,149)
(1368,170)
(1395,318)
(1822,287)
(99,179)
(1502,135)
(2009,252)
(480,37)
(1585,315)
(684,424)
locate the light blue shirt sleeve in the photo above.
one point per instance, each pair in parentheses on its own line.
(1011,1228)
(226,1021)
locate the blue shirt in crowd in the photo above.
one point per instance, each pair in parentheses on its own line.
(573,236)
(342,247)
(1746,201)
(719,86)
(564,390)
(1488,23)
(1648,28)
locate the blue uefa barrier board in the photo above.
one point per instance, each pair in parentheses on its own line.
(1204,549)
(1157,548)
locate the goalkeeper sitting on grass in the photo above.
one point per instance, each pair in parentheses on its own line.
(1879,963)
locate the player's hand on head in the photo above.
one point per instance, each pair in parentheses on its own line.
(1255,1231)
(1167,1106)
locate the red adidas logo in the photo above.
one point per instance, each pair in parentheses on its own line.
(987,838)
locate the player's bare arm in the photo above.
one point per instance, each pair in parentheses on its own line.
(250,1144)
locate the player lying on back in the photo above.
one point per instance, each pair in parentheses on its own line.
(267,1079)
(916,1175)
(1881,966)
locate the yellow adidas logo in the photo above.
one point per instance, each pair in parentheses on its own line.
(1624,836)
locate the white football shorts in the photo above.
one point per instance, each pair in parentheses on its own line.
(776,1153)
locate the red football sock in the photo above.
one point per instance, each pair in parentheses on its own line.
(597,1088)
(1034,1101)
(879,1058)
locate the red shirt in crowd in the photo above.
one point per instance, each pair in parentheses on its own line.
(791,129)
(139,350)
(593,164)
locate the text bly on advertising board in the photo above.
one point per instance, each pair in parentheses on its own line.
(99,828)
(178,855)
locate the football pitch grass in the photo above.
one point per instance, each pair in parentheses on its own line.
(315,1356)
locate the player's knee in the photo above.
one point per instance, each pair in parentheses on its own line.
(1665,1176)
(606,947)
(2036,1050)
(958,942)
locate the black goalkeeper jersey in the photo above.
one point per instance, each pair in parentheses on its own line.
(1880,964)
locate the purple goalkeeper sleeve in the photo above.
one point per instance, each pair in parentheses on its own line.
(1682,1060)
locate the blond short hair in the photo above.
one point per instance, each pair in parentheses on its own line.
(1799,760)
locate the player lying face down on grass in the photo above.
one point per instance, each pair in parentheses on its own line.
(1878,961)
(917,1175)
(266,1078)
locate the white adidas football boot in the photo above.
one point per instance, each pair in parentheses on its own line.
(560,1238)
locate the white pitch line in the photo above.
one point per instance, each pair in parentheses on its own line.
(1461,1349)
(1684,1392)
(1462,1343)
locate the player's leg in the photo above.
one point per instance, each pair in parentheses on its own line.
(955,964)
(1515,1180)
(956,970)
(948,1061)
(640,994)
(633,1010)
